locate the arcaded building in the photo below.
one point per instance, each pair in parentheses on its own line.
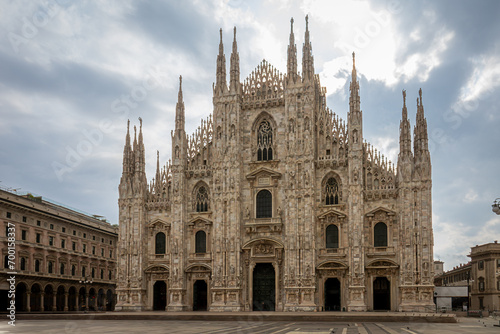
(277,204)
(485,276)
(62,260)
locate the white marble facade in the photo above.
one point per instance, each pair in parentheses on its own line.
(275,203)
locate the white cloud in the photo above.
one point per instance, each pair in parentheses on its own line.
(484,78)
(421,64)
(470,196)
(453,240)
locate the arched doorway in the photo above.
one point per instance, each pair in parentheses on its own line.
(92,300)
(159,296)
(110,305)
(100,300)
(381,294)
(264,287)
(36,298)
(60,300)
(82,303)
(48,299)
(332,294)
(21,296)
(200,296)
(72,300)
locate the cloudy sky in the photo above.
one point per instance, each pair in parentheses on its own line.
(71,74)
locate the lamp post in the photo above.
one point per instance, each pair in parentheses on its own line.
(496,206)
(85,281)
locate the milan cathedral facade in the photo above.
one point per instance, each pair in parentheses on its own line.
(276,204)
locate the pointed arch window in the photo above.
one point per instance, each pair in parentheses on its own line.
(200,242)
(380,235)
(264,208)
(265,141)
(201,199)
(160,243)
(331,192)
(332,236)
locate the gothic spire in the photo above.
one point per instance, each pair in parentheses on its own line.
(292,57)
(354,100)
(179,109)
(158,175)
(235,67)
(135,139)
(140,154)
(420,133)
(220,85)
(355,116)
(404,132)
(307,57)
(127,152)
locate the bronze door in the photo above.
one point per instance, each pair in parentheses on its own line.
(264,287)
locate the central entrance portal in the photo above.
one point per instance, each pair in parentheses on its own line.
(200,296)
(382,294)
(264,287)
(332,294)
(159,296)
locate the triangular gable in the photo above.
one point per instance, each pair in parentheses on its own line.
(263,171)
(158,222)
(201,219)
(380,208)
(332,212)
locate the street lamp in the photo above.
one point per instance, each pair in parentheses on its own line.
(85,281)
(496,206)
